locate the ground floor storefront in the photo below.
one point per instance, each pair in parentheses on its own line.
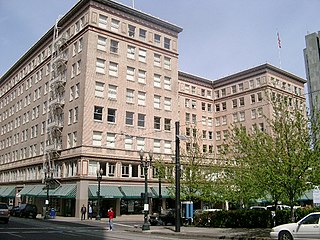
(68,198)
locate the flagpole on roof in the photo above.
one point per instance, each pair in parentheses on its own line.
(279,48)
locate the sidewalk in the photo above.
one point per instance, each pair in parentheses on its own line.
(187,231)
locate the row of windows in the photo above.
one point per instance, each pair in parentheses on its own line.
(130,142)
(133,32)
(133,52)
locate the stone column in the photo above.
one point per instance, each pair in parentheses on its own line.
(81,197)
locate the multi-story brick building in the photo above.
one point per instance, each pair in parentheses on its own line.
(212,107)
(98,87)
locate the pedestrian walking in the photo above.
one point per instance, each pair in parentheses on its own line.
(111,216)
(83,212)
(90,212)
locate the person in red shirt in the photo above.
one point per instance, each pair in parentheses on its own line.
(111,216)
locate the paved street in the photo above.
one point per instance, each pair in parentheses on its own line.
(126,227)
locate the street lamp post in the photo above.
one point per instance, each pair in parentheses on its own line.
(177,173)
(99,177)
(160,195)
(145,163)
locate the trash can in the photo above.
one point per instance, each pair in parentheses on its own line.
(52,213)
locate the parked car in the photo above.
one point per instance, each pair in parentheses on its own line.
(258,208)
(307,228)
(167,216)
(4,212)
(25,210)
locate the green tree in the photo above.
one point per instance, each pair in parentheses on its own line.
(281,161)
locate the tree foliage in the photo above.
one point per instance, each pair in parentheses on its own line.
(280,161)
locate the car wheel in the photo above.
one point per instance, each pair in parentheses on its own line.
(285,235)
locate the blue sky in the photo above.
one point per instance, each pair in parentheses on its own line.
(219,38)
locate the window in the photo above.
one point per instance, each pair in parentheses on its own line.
(167,83)
(76,114)
(142,55)
(157,60)
(240,87)
(241,100)
(131,52)
(259,95)
(156,101)
(203,106)
(218,107)
(166,43)
(260,112)
(167,124)
(140,143)
(156,145)
(112,92)
(130,96)
(235,117)
(141,98)
(242,116)
(77,91)
(129,118)
(99,89)
(224,106)
(234,89)
(141,120)
(80,45)
(157,80)
(71,96)
(194,118)
(125,170)
(142,76)
(204,120)
(111,115)
(114,46)
(128,142)
(167,147)
(167,63)
(218,135)
(73,70)
(111,137)
(130,73)
(224,120)
(78,67)
(193,104)
(113,69)
(142,34)
(251,84)
(97,138)
(111,169)
(97,113)
(167,104)
(115,25)
(223,92)
(131,30)
(225,134)
(253,113)
(234,103)
(157,38)
(157,124)
(100,65)
(102,21)
(102,43)
(253,98)
(70,116)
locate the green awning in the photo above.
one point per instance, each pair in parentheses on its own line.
(306,196)
(132,191)
(32,190)
(164,192)
(7,191)
(105,191)
(64,191)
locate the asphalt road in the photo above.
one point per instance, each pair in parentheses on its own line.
(34,229)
